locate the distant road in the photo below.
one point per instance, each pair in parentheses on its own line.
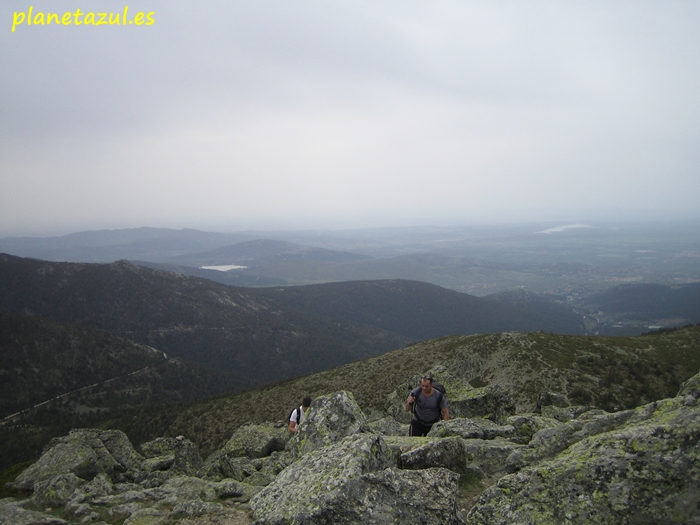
(5,419)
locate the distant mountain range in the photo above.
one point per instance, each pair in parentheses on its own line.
(146,244)
(258,335)
(266,252)
(281,263)
(567,266)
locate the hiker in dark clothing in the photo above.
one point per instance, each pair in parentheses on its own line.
(427,404)
(298,414)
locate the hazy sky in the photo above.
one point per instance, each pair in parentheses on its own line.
(228,115)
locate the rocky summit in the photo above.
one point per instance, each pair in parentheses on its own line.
(564,464)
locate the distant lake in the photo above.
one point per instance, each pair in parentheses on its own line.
(563,228)
(223,268)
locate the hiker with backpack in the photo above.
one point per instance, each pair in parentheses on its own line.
(298,414)
(428,405)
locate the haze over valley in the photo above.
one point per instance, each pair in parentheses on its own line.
(570,267)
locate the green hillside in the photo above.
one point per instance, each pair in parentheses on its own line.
(41,359)
(612,373)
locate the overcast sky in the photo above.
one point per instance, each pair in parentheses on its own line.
(228,115)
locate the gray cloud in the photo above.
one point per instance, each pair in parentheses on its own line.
(255,113)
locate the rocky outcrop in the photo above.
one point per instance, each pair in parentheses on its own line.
(178,456)
(645,471)
(564,414)
(352,482)
(527,425)
(586,466)
(492,403)
(551,441)
(256,441)
(255,454)
(471,429)
(84,454)
(96,475)
(388,426)
(448,453)
(13,513)
(330,419)
(103,500)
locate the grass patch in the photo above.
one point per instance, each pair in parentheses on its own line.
(469,480)
(471,487)
(477,382)
(10,475)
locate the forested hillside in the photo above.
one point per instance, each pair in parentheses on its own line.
(257,335)
(41,360)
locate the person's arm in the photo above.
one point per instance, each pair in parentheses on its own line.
(409,402)
(445,414)
(293,422)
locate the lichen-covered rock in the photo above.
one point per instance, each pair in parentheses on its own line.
(636,466)
(75,458)
(195,508)
(159,463)
(100,486)
(83,453)
(266,469)
(212,468)
(550,441)
(55,492)
(546,399)
(229,467)
(449,453)
(464,456)
(488,458)
(647,471)
(471,428)
(238,491)
(399,445)
(256,471)
(146,516)
(564,414)
(491,403)
(304,490)
(121,449)
(405,497)
(395,402)
(176,498)
(388,426)
(12,513)
(691,388)
(186,458)
(330,419)
(527,425)
(351,483)
(158,496)
(255,441)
